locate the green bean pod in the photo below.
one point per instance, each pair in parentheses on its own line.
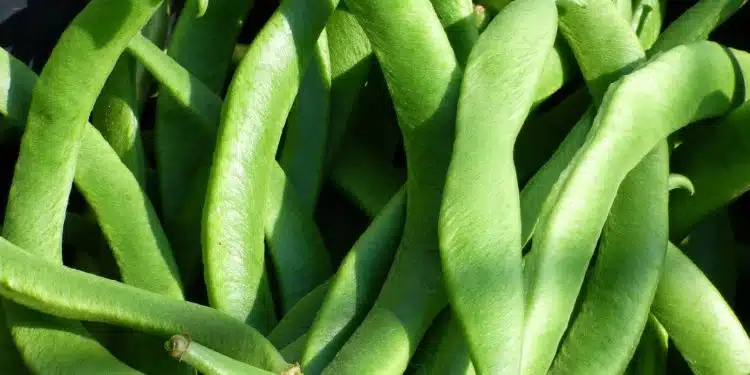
(604,335)
(300,318)
(457,18)
(480,225)
(34,217)
(351,59)
(698,320)
(203,46)
(293,351)
(703,73)
(12,362)
(423,78)
(680,182)
(207,361)
(716,163)
(299,255)
(354,288)
(68,293)
(259,98)
(122,209)
(304,148)
(648,16)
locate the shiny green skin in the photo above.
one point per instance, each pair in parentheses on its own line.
(304,148)
(715,162)
(423,78)
(68,293)
(203,46)
(355,287)
(604,335)
(289,226)
(61,102)
(259,98)
(620,289)
(207,361)
(298,253)
(589,31)
(698,319)
(298,320)
(351,59)
(480,222)
(458,20)
(702,73)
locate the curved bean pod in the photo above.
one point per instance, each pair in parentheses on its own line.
(423,78)
(698,320)
(678,181)
(651,356)
(289,230)
(702,73)
(480,226)
(203,46)
(647,20)
(207,361)
(604,335)
(123,210)
(259,98)
(304,148)
(34,217)
(355,286)
(68,293)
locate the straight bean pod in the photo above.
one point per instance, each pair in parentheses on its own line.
(423,78)
(702,73)
(480,223)
(259,98)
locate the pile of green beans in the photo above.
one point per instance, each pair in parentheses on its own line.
(495,187)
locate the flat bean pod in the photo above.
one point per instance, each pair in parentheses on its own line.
(702,73)
(480,226)
(259,98)
(701,323)
(423,78)
(632,245)
(73,294)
